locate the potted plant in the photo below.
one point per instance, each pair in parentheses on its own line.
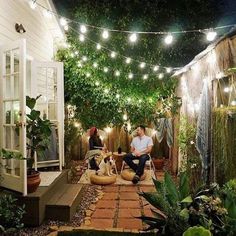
(38,132)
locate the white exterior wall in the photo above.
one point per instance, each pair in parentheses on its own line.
(41,32)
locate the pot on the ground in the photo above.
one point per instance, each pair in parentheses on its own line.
(159,163)
(33,180)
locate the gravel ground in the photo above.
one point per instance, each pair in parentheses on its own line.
(89,195)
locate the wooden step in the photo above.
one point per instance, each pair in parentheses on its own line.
(62,205)
(35,203)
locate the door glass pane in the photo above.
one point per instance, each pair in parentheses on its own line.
(16,60)
(42,107)
(52,111)
(7,112)
(16,86)
(16,109)
(51,77)
(16,144)
(16,165)
(8,62)
(42,84)
(7,91)
(7,136)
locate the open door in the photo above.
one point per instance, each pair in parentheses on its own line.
(13,112)
(47,81)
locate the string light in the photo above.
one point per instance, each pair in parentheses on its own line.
(81,38)
(145,76)
(88,74)
(105,69)
(97,83)
(125,117)
(140,100)
(161,75)
(84,58)
(130,76)
(66,27)
(63,21)
(32,4)
(155,68)
(142,65)
(211,35)
(129,99)
(47,14)
(113,54)
(233,103)
(133,37)
(83,29)
(98,46)
(95,64)
(168,70)
(118,96)
(106,91)
(79,64)
(76,52)
(168,39)
(128,60)
(117,73)
(105,34)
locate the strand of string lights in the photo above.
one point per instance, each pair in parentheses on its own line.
(210,33)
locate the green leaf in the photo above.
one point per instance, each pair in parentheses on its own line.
(188,199)
(184,214)
(184,184)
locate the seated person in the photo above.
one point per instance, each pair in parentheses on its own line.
(95,141)
(141,147)
(97,150)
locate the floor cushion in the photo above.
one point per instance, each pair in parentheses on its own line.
(128,174)
(102,180)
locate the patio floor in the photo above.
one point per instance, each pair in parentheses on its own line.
(118,205)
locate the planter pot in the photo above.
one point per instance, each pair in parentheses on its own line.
(159,163)
(33,181)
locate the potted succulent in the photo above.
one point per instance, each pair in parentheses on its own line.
(38,133)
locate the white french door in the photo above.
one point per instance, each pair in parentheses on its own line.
(12,113)
(47,81)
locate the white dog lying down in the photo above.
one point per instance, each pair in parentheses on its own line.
(106,166)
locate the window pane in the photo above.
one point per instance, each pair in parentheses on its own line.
(7,136)
(8,62)
(16,86)
(7,112)
(16,60)
(7,92)
(16,144)
(16,109)
(52,111)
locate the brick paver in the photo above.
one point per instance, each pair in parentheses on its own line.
(129,196)
(102,223)
(129,213)
(104,213)
(106,204)
(130,223)
(129,204)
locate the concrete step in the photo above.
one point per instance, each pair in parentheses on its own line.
(62,205)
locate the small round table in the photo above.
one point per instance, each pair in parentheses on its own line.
(119,159)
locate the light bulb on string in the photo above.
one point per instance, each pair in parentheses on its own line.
(79,64)
(133,37)
(105,34)
(117,96)
(161,75)
(83,29)
(125,117)
(81,38)
(32,4)
(95,64)
(84,58)
(117,73)
(106,91)
(168,69)
(142,65)
(98,46)
(145,76)
(47,14)
(211,35)
(105,69)
(66,27)
(76,52)
(63,21)
(129,99)
(88,74)
(72,54)
(97,83)
(127,60)
(168,39)
(155,68)
(113,54)
(130,76)
(140,100)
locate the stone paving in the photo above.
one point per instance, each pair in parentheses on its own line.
(117,206)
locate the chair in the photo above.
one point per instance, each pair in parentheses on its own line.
(149,163)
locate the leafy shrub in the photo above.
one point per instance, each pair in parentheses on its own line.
(10,214)
(197,231)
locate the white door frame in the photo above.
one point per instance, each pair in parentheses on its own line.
(10,179)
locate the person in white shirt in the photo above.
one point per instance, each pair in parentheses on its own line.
(141,147)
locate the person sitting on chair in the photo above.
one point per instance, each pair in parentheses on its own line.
(141,147)
(95,141)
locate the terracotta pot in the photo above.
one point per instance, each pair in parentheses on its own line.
(33,181)
(159,163)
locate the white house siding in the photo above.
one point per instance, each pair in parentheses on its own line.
(40,32)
